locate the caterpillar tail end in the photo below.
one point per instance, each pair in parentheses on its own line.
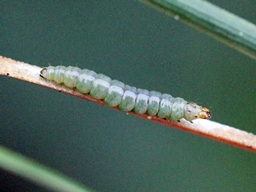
(205,113)
(42,72)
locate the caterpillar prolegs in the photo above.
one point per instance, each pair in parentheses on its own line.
(116,94)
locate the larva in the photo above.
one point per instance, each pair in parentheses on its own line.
(116,94)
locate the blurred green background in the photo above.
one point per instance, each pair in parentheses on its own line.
(108,150)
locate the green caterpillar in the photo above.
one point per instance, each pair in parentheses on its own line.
(116,94)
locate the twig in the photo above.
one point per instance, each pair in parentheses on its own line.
(212,20)
(206,128)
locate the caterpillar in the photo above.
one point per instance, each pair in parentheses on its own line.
(127,98)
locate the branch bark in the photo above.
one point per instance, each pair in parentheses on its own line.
(206,128)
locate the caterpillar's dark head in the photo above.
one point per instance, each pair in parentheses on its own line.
(205,113)
(194,111)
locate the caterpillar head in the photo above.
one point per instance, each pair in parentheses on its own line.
(194,111)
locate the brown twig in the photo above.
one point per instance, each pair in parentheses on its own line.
(206,128)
